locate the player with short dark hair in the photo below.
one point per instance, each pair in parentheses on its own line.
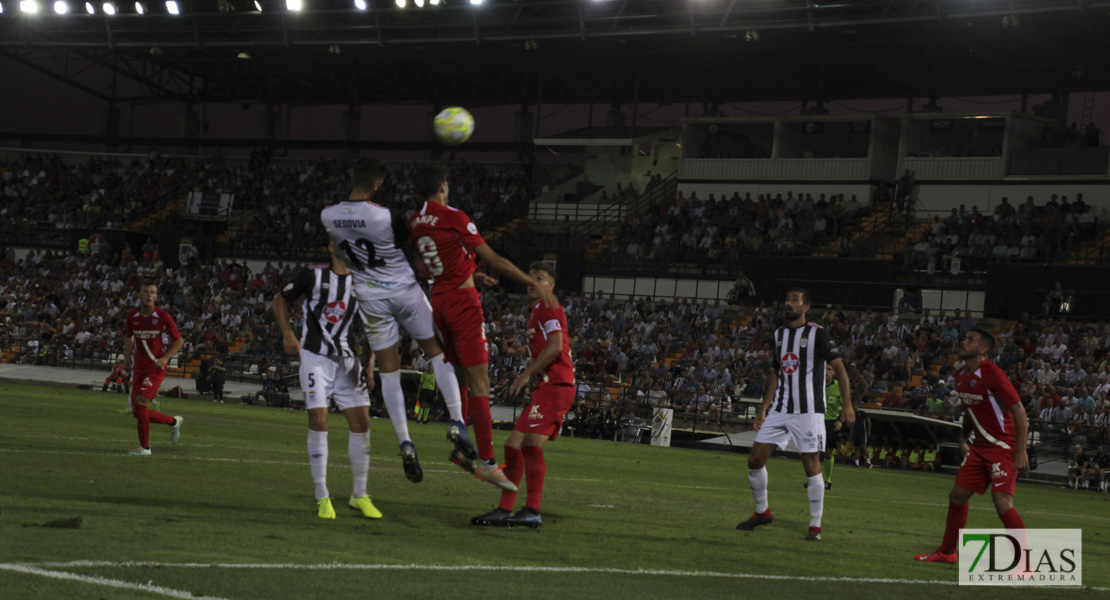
(795,395)
(144,348)
(448,243)
(369,239)
(330,370)
(995,417)
(552,396)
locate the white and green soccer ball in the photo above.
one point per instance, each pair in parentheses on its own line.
(453,125)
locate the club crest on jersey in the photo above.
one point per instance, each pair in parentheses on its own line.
(790,363)
(974,382)
(334,312)
(805,342)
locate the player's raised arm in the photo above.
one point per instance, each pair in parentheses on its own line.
(506,266)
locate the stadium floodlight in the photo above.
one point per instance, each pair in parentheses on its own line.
(60,7)
(401,3)
(140,8)
(28,6)
(360,4)
(89,8)
(257,6)
(293,5)
(433,2)
(418,3)
(110,8)
(172,8)
(1,8)
(475,2)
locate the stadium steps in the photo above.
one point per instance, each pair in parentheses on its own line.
(890,249)
(223,240)
(1091,252)
(148,222)
(862,230)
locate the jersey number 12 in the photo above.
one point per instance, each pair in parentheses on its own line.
(372,261)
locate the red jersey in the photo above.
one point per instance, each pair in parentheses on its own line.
(148,332)
(445,238)
(543,322)
(987,396)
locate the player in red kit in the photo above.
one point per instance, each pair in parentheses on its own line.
(552,397)
(994,415)
(143,345)
(448,244)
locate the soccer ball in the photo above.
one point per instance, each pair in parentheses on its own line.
(453,125)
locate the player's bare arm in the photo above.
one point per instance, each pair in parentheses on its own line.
(484,280)
(847,413)
(965,432)
(175,347)
(768,397)
(546,356)
(1021,434)
(289,339)
(128,346)
(504,265)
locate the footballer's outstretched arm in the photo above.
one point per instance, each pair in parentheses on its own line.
(504,265)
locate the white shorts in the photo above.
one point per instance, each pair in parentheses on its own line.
(806,429)
(409,307)
(324,377)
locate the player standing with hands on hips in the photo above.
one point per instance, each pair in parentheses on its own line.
(795,396)
(552,397)
(330,369)
(995,417)
(143,348)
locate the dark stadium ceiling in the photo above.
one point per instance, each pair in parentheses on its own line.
(567,51)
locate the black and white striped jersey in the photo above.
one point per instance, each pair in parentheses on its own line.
(800,357)
(370,239)
(329,310)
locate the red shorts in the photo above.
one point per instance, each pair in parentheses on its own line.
(147,383)
(458,316)
(985,468)
(545,413)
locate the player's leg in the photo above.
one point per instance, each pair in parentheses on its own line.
(757,476)
(389,370)
(142,419)
(316,374)
(827,460)
(1003,486)
(972,477)
(514,472)
(355,404)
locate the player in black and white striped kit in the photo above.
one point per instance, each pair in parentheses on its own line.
(795,395)
(330,369)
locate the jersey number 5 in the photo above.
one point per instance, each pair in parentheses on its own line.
(372,261)
(426,246)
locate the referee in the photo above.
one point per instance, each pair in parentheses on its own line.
(795,396)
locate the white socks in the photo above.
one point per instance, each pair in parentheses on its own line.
(758,479)
(395,404)
(448,384)
(318,461)
(816,491)
(358,447)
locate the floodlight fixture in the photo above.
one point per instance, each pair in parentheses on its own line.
(172,8)
(293,5)
(110,8)
(360,4)
(401,3)
(60,7)
(29,7)
(89,8)
(140,8)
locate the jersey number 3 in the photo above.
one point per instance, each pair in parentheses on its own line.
(372,261)
(426,246)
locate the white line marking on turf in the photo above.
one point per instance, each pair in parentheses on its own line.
(127,585)
(486,568)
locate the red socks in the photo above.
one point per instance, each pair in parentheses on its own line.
(483,426)
(957,518)
(535,469)
(1012,520)
(514,470)
(144,417)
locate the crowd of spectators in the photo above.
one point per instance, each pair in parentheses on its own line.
(41,189)
(1027,232)
(721,230)
(286,201)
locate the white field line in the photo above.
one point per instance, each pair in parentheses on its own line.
(483,568)
(985,508)
(116,583)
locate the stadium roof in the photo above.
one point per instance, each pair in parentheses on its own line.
(568,51)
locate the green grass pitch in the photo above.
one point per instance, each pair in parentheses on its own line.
(229,513)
